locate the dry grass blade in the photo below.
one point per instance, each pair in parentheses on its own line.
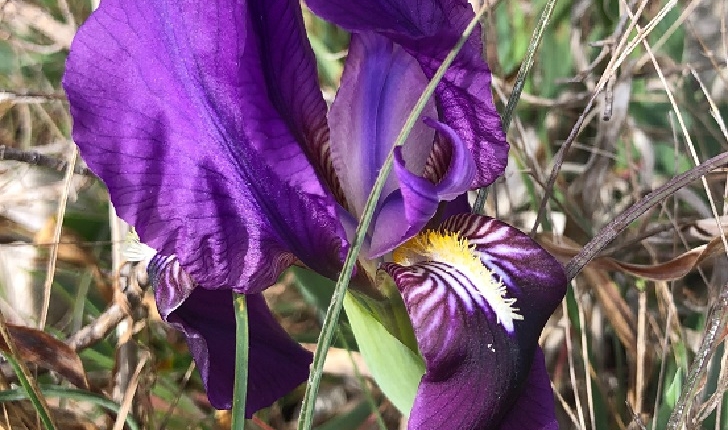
(51,269)
(99,328)
(22,13)
(572,364)
(616,60)
(129,394)
(39,159)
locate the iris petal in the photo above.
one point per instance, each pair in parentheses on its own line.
(380,86)
(534,408)
(194,114)
(418,198)
(428,30)
(468,349)
(277,364)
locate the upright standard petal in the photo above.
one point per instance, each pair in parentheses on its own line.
(277,364)
(380,86)
(478,293)
(418,198)
(192,114)
(428,30)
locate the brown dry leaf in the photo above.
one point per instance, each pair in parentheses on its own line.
(40,348)
(671,270)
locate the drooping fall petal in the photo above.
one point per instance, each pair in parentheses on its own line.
(534,408)
(202,119)
(428,30)
(277,364)
(478,293)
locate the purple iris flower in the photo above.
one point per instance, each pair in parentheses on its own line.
(206,122)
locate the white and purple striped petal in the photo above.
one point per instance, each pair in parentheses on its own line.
(477,325)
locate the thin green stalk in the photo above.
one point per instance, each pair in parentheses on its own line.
(240,389)
(303,285)
(515,96)
(328,329)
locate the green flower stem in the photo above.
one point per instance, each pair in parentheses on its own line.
(515,96)
(240,388)
(328,329)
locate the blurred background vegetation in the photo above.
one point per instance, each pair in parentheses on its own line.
(618,350)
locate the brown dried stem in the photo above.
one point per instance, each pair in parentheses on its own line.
(611,230)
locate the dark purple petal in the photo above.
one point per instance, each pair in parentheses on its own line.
(534,409)
(277,364)
(418,198)
(192,114)
(455,207)
(380,86)
(472,348)
(428,30)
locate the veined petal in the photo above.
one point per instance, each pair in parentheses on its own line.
(193,114)
(534,408)
(418,198)
(277,364)
(478,293)
(428,30)
(380,86)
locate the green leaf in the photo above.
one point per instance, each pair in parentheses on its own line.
(672,394)
(351,420)
(396,368)
(240,389)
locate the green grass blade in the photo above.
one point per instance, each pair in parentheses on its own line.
(240,389)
